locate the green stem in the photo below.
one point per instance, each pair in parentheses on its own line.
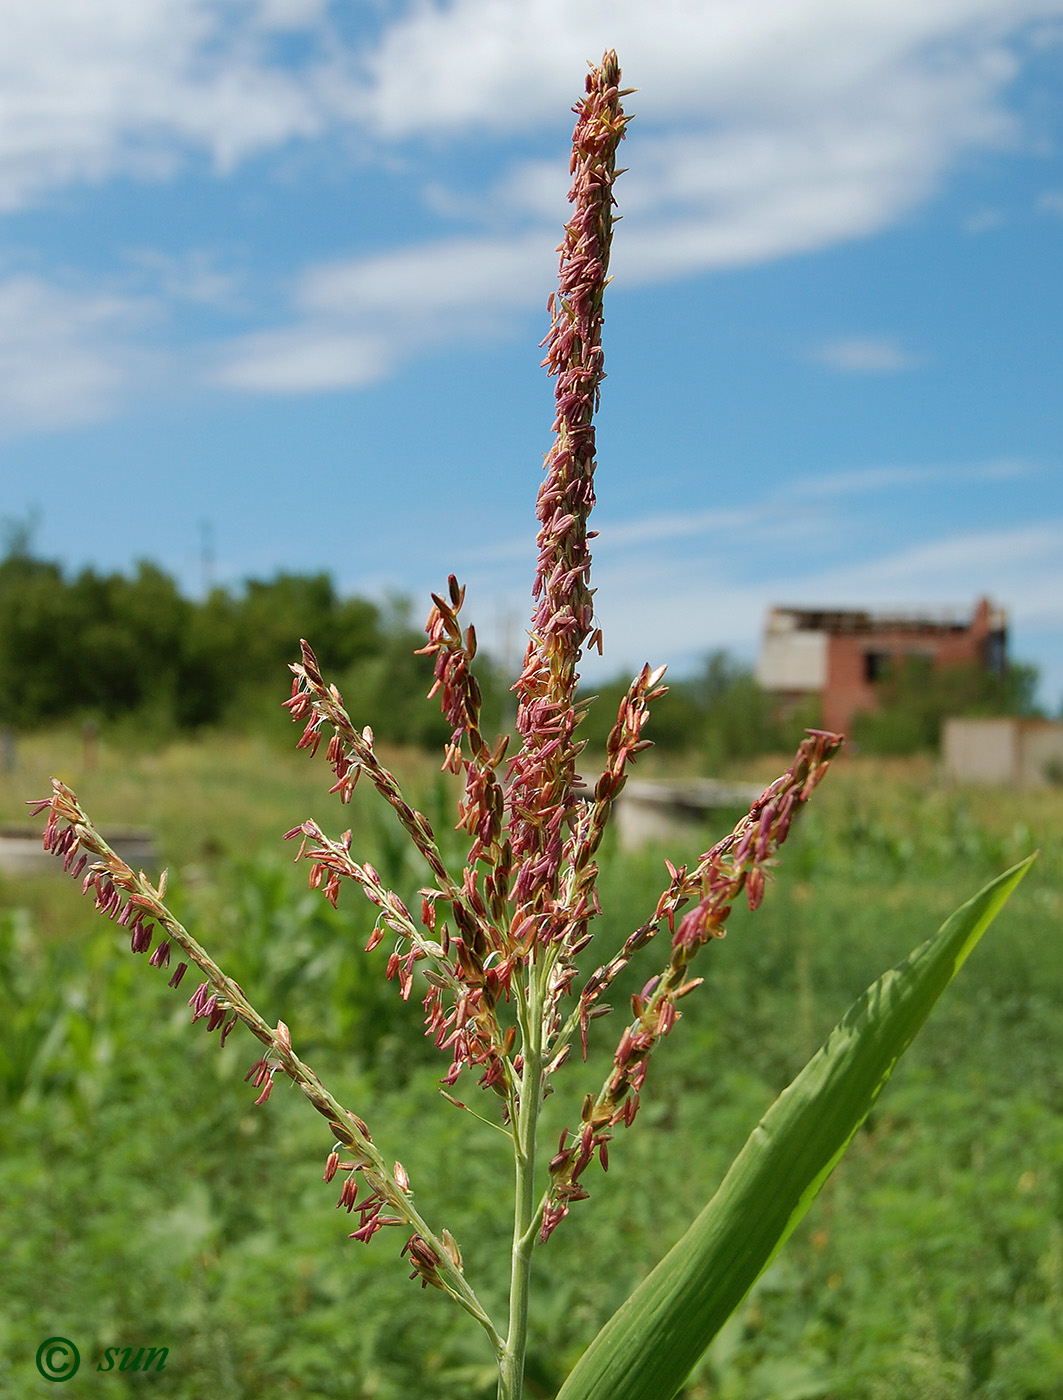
(526,1209)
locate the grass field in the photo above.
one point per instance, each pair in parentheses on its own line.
(144,1202)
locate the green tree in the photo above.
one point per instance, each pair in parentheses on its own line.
(39,630)
(129,649)
(716,716)
(246,643)
(116,648)
(916,698)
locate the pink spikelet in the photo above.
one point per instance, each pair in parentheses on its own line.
(540,803)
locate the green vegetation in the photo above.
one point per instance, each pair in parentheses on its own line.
(133,653)
(721,716)
(915,699)
(144,1201)
(715,717)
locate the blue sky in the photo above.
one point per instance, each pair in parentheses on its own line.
(273,275)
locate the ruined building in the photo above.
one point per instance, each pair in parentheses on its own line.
(840,655)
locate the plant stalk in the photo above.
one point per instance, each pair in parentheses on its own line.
(525,1205)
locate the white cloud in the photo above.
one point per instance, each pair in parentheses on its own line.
(462,274)
(1020,566)
(675,609)
(357,318)
(191,277)
(62,357)
(859,104)
(304,359)
(862,480)
(866,355)
(790,535)
(672,587)
(94,88)
(764,128)
(474,62)
(1051,201)
(656,529)
(983,220)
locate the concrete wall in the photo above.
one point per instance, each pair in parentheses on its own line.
(1003,752)
(1041,756)
(790,659)
(659,813)
(21,851)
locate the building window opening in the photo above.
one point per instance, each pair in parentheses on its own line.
(996,653)
(876,664)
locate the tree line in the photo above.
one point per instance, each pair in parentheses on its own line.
(132,650)
(117,648)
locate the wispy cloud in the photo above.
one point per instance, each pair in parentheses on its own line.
(64,356)
(1021,565)
(865,355)
(680,608)
(458,65)
(764,129)
(90,89)
(984,220)
(193,277)
(806,512)
(860,106)
(864,480)
(304,359)
(356,319)
(657,529)
(674,586)
(623,540)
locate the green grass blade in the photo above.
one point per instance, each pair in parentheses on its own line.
(648,1348)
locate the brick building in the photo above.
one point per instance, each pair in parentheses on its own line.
(840,655)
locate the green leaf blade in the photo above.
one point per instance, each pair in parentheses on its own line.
(650,1345)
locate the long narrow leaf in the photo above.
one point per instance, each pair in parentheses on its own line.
(648,1348)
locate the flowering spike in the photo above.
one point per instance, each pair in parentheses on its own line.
(496,966)
(540,802)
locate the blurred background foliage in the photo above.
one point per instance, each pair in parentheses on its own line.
(914,699)
(135,657)
(132,653)
(145,1201)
